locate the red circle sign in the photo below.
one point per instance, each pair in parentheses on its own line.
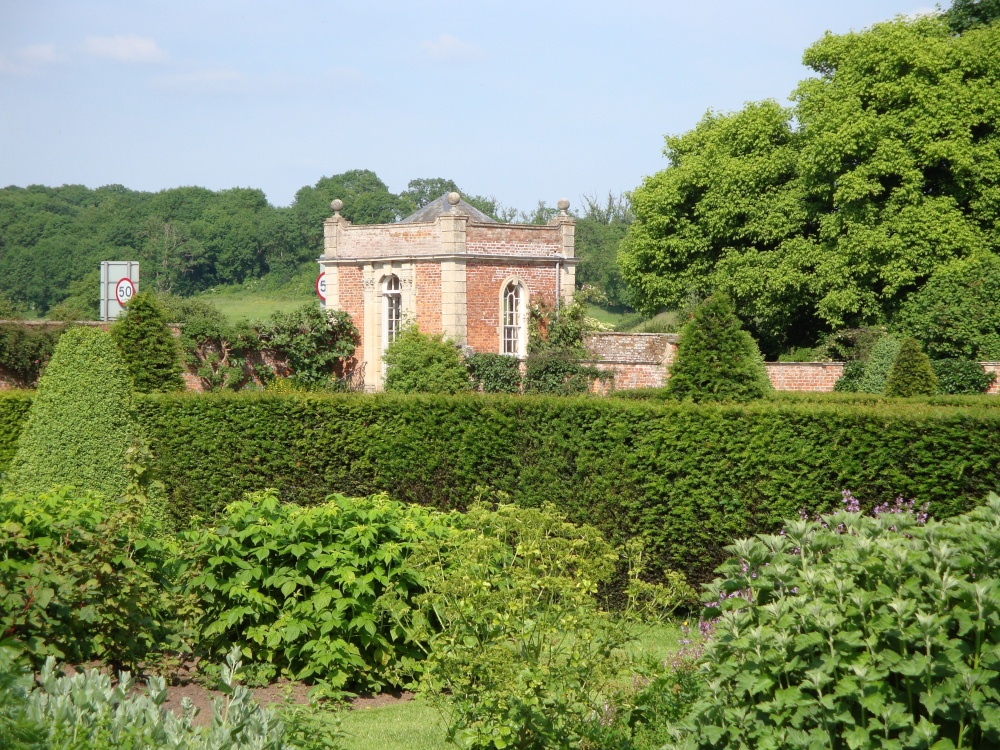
(124,291)
(321,286)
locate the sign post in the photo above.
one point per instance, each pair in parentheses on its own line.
(119,283)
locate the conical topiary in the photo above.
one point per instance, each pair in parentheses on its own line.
(911,373)
(880,360)
(716,359)
(82,422)
(151,353)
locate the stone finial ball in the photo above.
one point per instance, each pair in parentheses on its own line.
(563,204)
(337,204)
(454,198)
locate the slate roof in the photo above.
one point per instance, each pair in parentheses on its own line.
(441,206)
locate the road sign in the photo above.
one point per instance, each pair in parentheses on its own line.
(124,290)
(321,286)
(119,283)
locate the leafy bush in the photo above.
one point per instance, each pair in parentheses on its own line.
(87,711)
(82,422)
(301,590)
(26,350)
(911,373)
(221,352)
(961,376)
(555,373)
(878,365)
(494,373)
(315,343)
(554,365)
(420,363)
(524,655)
(856,632)
(956,314)
(716,358)
(850,379)
(79,582)
(150,352)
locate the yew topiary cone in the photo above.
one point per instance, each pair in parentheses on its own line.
(911,373)
(82,421)
(716,359)
(150,352)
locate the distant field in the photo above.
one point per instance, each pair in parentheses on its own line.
(606,316)
(255,306)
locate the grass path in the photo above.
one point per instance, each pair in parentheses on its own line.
(409,725)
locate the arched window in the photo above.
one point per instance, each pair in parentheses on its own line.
(392,309)
(513,320)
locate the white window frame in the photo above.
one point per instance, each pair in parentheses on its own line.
(392,309)
(514,321)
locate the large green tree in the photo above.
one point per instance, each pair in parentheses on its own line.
(829,213)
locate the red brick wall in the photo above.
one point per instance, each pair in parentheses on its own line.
(504,239)
(387,240)
(804,376)
(482,285)
(428,291)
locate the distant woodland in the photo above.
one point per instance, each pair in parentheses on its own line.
(190,239)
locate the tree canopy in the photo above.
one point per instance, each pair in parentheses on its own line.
(829,213)
(187,239)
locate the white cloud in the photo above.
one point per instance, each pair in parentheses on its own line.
(127,48)
(39,53)
(446,48)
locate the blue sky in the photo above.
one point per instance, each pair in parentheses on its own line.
(521,100)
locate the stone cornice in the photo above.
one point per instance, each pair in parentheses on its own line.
(462,257)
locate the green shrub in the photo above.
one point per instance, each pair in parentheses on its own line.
(222,353)
(26,350)
(850,380)
(961,376)
(524,655)
(79,582)
(877,367)
(956,314)
(716,358)
(556,373)
(315,343)
(554,366)
(494,373)
(82,422)
(87,711)
(856,632)
(150,351)
(304,592)
(420,363)
(911,373)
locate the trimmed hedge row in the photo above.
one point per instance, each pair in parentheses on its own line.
(690,478)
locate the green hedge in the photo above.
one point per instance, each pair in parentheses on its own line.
(691,478)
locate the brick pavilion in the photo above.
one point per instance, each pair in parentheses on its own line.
(448,268)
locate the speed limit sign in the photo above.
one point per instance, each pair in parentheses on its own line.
(124,290)
(321,286)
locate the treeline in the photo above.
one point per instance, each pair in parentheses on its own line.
(189,239)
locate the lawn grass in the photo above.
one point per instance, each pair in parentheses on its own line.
(410,725)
